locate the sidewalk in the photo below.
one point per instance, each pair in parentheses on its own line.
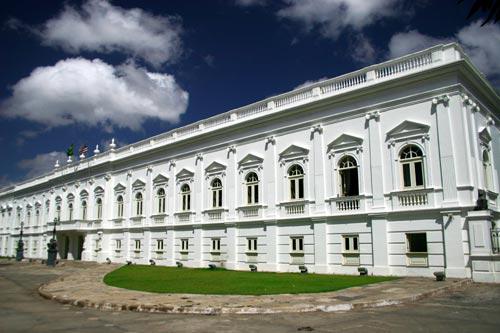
(83,287)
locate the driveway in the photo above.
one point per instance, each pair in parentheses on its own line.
(476,308)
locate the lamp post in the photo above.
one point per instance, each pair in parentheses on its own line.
(52,247)
(20,245)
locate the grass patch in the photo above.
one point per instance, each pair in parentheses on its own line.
(161,279)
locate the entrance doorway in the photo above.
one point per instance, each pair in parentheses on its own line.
(80,248)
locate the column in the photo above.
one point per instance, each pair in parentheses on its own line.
(198,188)
(320,246)
(318,168)
(270,177)
(453,249)
(231,237)
(379,245)
(377,179)
(272,245)
(231,192)
(445,149)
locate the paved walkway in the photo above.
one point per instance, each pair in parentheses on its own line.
(81,285)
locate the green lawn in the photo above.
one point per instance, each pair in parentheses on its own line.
(162,279)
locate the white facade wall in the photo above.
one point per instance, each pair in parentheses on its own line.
(443,107)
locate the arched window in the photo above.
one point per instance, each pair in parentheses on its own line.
(84,210)
(28,217)
(412,167)
(348,177)
(37,217)
(216,193)
(70,211)
(161,201)
(296,178)
(488,175)
(98,203)
(119,206)
(138,204)
(186,197)
(252,182)
(58,212)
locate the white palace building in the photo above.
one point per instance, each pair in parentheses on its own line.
(393,168)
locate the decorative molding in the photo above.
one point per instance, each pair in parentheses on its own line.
(490,122)
(199,156)
(317,128)
(407,129)
(373,115)
(231,149)
(107,177)
(441,99)
(270,140)
(171,164)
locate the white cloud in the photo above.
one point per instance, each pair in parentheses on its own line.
(94,93)
(41,163)
(100,26)
(309,82)
(480,43)
(332,17)
(362,50)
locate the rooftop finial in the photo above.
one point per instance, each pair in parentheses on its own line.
(112,144)
(96,150)
(56,165)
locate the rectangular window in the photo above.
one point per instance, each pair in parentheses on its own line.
(351,243)
(215,244)
(292,190)
(301,188)
(256,193)
(249,194)
(416,242)
(297,244)
(118,244)
(137,244)
(184,244)
(220,198)
(159,244)
(251,244)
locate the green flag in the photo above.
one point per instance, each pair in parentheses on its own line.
(69,152)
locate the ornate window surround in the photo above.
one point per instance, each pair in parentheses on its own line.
(250,163)
(294,154)
(345,145)
(212,171)
(409,133)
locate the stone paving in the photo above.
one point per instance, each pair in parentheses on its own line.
(80,284)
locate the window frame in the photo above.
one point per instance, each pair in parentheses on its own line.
(84,210)
(161,201)
(139,204)
(409,251)
(216,188)
(99,205)
(185,198)
(119,206)
(160,245)
(137,245)
(184,245)
(348,239)
(296,183)
(342,174)
(252,188)
(215,245)
(411,162)
(297,244)
(252,244)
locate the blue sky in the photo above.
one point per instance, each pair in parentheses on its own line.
(83,72)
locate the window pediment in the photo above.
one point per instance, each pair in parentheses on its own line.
(345,141)
(138,183)
(98,190)
(160,179)
(119,188)
(294,151)
(84,194)
(185,173)
(215,167)
(250,159)
(408,128)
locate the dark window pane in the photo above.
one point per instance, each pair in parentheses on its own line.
(249,194)
(214,196)
(417,242)
(292,189)
(189,202)
(419,174)
(355,243)
(406,175)
(220,198)
(301,188)
(256,193)
(347,247)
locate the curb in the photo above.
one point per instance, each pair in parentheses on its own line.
(168,308)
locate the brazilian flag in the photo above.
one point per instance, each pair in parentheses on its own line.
(69,151)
